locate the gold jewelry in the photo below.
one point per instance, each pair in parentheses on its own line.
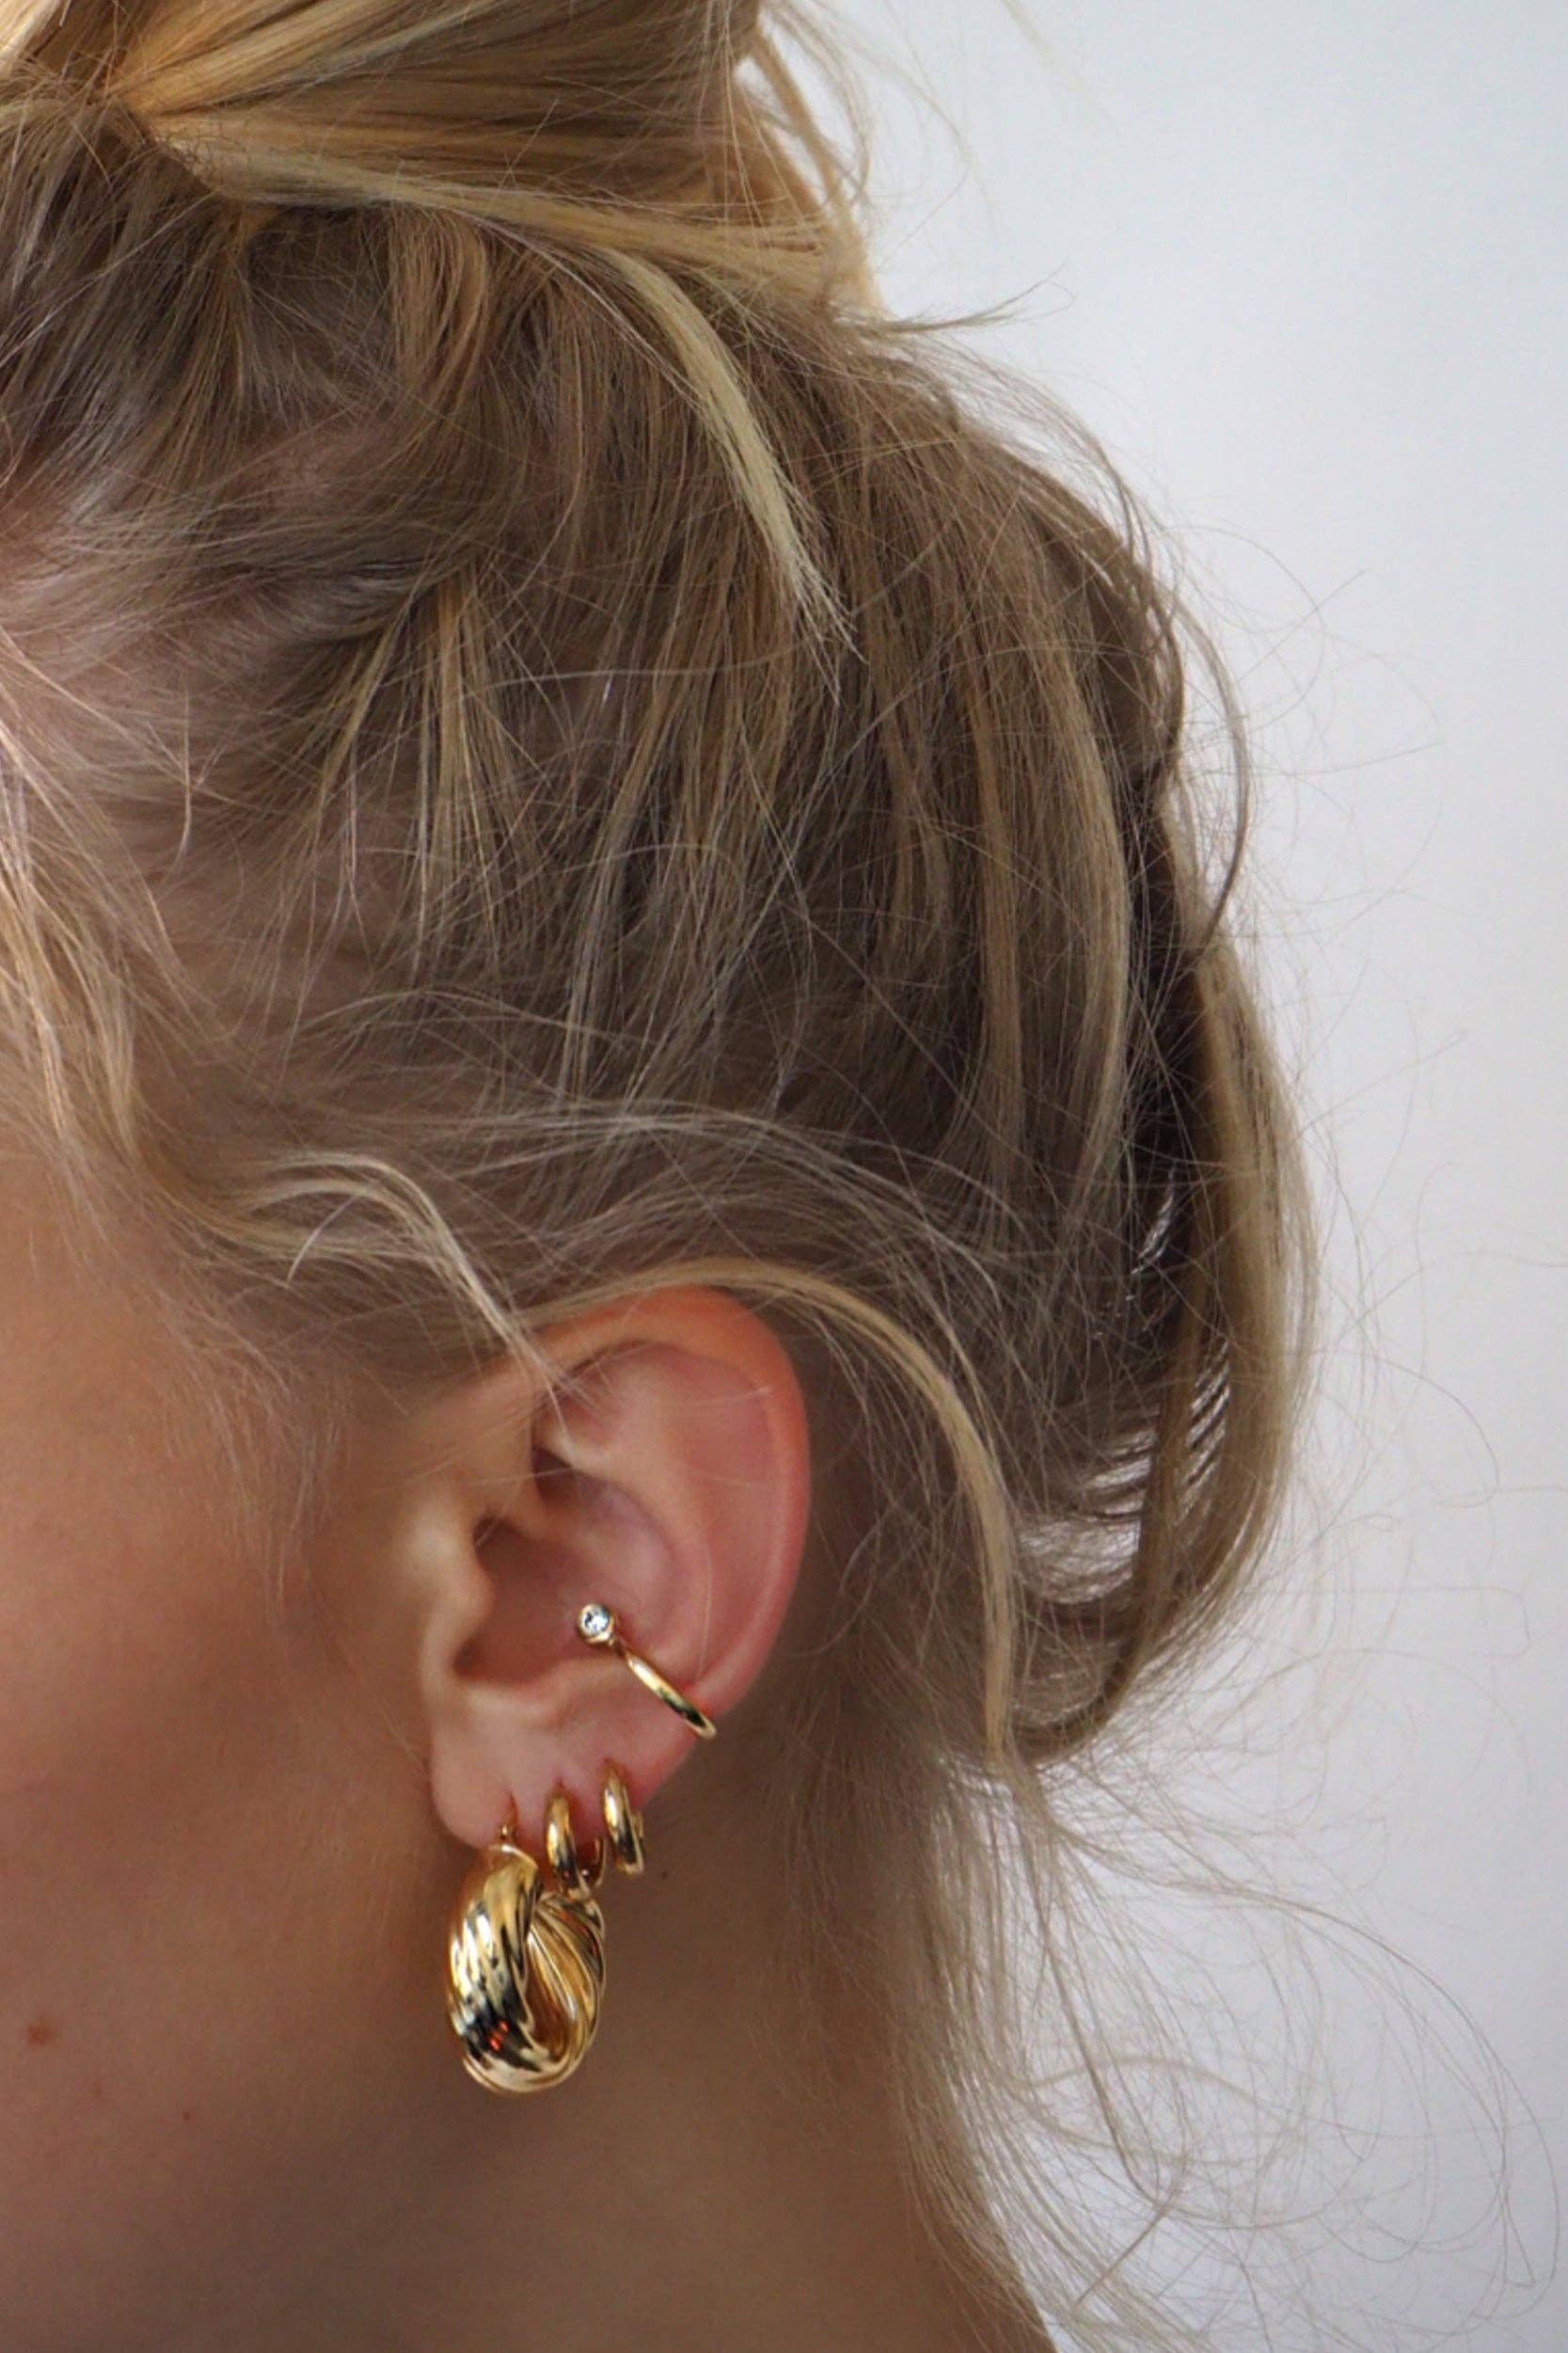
(525,1953)
(525,1958)
(561,1849)
(623,1825)
(597,1625)
(524,1970)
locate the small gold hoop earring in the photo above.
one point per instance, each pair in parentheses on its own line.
(623,1824)
(597,1625)
(577,1880)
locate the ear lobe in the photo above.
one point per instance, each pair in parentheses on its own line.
(669,1482)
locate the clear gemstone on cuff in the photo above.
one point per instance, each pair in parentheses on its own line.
(594,1622)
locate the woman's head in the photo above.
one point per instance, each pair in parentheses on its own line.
(612,990)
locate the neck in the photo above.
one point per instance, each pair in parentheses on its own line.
(703,2179)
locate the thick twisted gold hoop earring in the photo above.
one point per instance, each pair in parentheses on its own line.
(524,1970)
(525,1952)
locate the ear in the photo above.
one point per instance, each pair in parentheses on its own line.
(668,1479)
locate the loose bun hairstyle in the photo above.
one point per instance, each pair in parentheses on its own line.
(548,745)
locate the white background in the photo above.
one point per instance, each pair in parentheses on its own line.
(1301,269)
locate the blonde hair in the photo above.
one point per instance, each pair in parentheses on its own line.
(549,747)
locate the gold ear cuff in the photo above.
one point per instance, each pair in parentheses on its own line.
(525,1951)
(597,1625)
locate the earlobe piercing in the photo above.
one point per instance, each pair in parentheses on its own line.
(597,1626)
(524,1951)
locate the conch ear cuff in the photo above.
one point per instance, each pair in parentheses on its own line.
(597,1626)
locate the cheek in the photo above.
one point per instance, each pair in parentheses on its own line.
(166,1827)
(120,1630)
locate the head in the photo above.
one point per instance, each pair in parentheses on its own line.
(612,990)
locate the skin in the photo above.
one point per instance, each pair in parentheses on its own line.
(233,2114)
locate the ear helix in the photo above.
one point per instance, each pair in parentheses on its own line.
(525,1943)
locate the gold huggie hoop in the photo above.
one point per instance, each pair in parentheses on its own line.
(577,1878)
(622,1822)
(597,1625)
(622,1841)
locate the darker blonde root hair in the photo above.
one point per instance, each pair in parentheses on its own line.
(550,746)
